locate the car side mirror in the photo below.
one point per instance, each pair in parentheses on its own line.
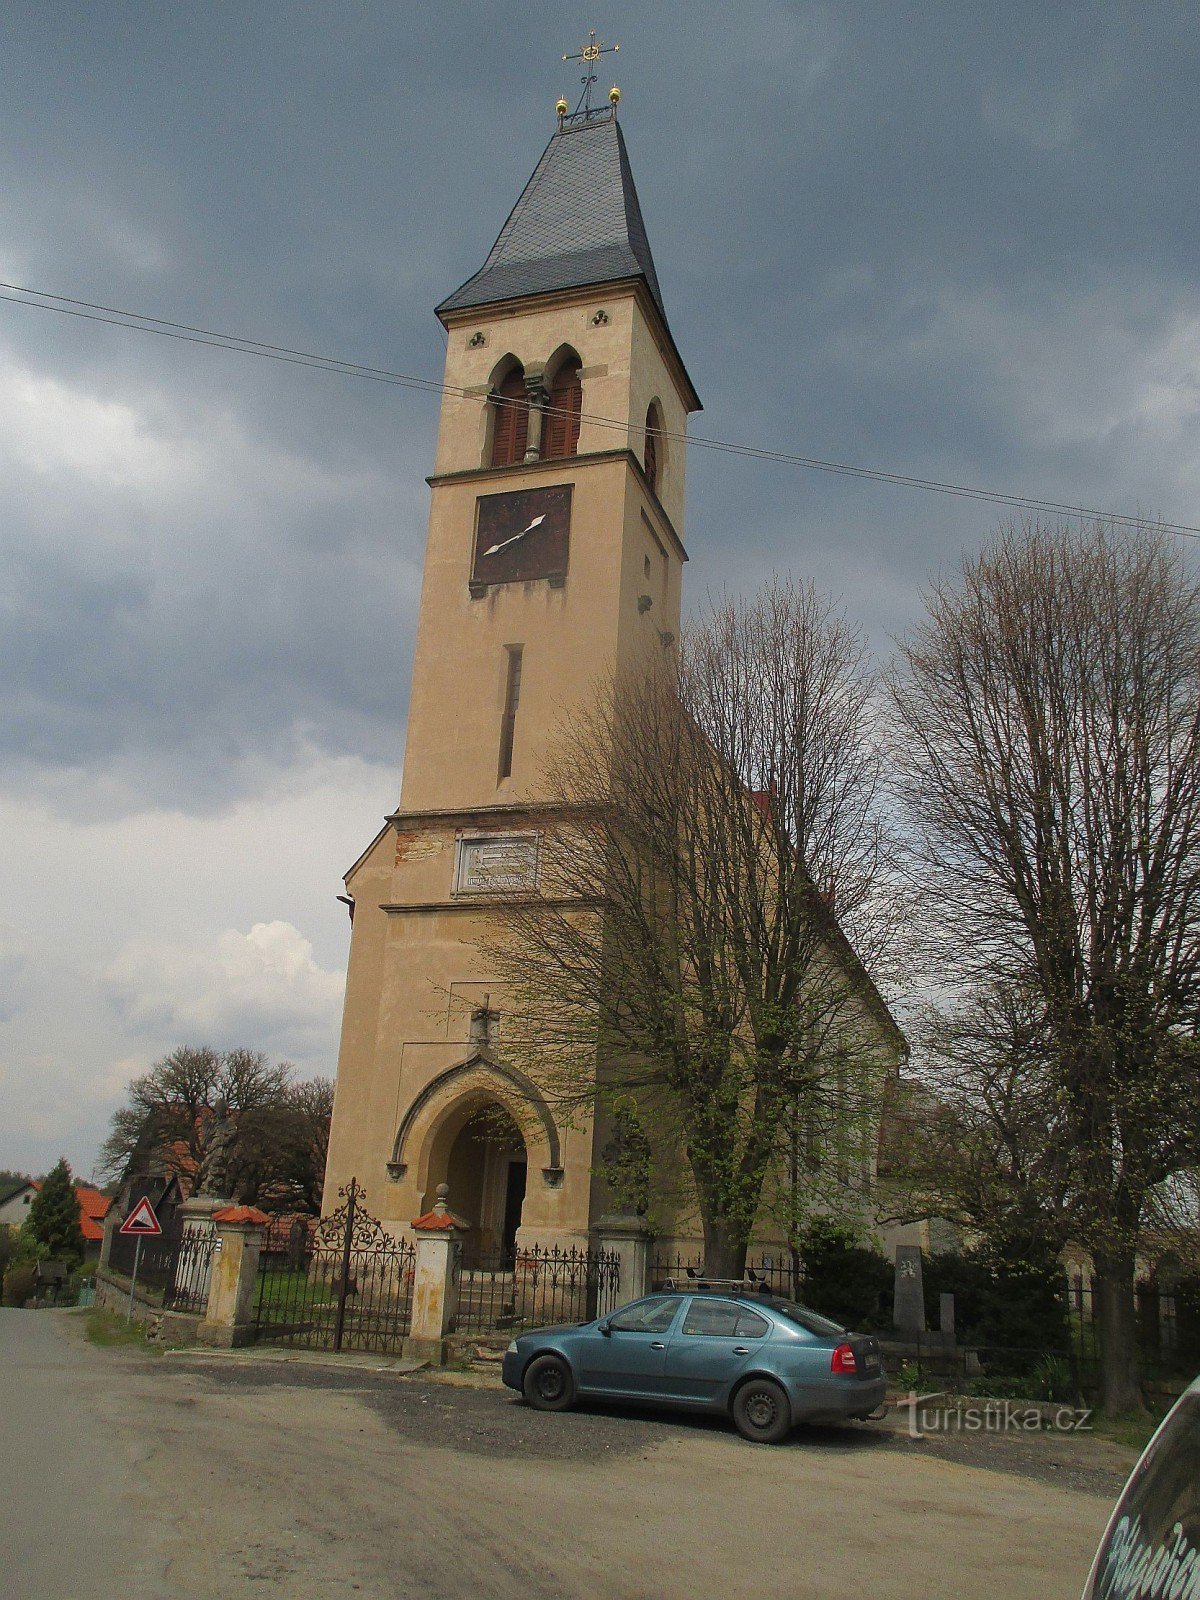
(604,1327)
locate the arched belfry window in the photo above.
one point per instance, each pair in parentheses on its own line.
(654,446)
(510,426)
(560,431)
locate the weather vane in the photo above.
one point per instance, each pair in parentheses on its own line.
(589,55)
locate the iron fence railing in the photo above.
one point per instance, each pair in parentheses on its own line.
(175,1267)
(532,1287)
(1053,1363)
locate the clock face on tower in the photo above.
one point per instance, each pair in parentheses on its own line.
(522,536)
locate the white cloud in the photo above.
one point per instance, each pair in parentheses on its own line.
(142,930)
(234,990)
(49,427)
(14,960)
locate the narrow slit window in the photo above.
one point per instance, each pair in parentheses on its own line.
(512,699)
(653,455)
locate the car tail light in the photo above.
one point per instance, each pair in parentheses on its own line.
(843,1360)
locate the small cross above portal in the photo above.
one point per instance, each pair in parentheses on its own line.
(589,55)
(484,1024)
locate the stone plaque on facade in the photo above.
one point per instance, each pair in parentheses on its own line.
(497,863)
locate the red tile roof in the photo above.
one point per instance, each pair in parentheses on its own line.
(93,1208)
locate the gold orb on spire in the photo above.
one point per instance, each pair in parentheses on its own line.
(614,94)
(561,105)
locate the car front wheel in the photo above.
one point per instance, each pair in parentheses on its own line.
(761,1412)
(548,1384)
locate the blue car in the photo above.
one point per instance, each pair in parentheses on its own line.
(765,1362)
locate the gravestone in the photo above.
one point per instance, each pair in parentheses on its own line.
(946,1317)
(908,1306)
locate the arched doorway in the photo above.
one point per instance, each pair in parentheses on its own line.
(486,1168)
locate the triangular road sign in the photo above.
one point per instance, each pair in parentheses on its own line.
(141,1219)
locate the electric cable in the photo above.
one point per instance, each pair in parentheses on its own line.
(117,317)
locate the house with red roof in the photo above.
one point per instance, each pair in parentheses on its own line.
(93,1208)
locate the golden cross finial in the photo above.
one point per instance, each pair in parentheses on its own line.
(589,55)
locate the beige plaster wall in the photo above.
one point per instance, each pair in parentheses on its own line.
(414,978)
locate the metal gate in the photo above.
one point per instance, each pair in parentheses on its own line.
(345,1285)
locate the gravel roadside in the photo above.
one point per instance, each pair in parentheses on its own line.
(473,1412)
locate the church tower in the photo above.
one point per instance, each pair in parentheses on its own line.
(554,556)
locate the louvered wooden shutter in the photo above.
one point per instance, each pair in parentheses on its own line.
(511,433)
(560,432)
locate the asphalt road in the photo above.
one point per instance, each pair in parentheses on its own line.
(174,1476)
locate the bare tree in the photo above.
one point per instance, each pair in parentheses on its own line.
(1049,756)
(681,955)
(978,1137)
(167,1122)
(302,1147)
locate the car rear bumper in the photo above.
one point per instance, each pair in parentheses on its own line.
(854,1397)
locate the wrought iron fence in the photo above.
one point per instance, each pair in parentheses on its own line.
(188,1287)
(175,1267)
(539,1285)
(344,1283)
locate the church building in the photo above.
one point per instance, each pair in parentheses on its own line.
(554,558)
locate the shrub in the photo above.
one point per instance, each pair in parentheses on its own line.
(1053,1379)
(1000,1301)
(18,1284)
(845,1280)
(1187,1322)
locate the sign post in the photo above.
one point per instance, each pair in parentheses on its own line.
(140,1223)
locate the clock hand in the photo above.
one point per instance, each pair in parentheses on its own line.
(504,543)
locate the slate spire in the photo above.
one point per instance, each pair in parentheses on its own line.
(578,222)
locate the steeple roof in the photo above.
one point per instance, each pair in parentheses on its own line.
(577,222)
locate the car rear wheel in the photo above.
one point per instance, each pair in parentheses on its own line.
(548,1384)
(761,1412)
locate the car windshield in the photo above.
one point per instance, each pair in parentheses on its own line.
(1157,1525)
(810,1321)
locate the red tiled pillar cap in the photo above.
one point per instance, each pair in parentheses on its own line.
(242,1216)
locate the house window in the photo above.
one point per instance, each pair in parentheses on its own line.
(510,429)
(560,432)
(512,699)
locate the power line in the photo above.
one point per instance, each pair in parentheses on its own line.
(115,316)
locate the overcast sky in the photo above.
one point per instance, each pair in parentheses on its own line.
(959,242)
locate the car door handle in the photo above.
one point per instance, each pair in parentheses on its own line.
(741,1349)
(657,1344)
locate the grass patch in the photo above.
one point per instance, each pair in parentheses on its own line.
(1131,1429)
(109,1328)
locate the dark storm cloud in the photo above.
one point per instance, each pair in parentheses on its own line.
(946,241)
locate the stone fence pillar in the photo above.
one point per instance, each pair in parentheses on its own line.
(435,1282)
(628,1238)
(241,1232)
